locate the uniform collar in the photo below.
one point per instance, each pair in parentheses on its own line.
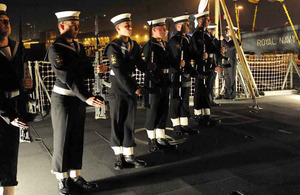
(13,48)
(120,44)
(161,44)
(63,42)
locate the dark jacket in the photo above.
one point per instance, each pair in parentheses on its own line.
(123,63)
(163,60)
(230,50)
(11,78)
(199,39)
(178,44)
(71,67)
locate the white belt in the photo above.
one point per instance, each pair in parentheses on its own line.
(211,55)
(63,91)
(12,94)
(165,71)
(111,72)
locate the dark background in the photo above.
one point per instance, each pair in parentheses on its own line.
(39,14)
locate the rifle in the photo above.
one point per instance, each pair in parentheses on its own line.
(100,112)
(181,69)
(204,51)
(151,54)
(23,100)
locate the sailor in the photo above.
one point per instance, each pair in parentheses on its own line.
(230,72)
(68,103)
(11,84)
(202,49)
(180,76)
(124,57)
(157,51)
(216,62)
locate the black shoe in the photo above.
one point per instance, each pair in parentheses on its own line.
(188,130)
(209,122)
(119,162)
(130,159)
(153,147)
(165,145)
(179,137)
(84,185)
(215,104)
(64,187)
(199,119)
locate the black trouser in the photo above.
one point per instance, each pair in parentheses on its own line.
(68,117)
(203,92)
(9,149)
(122,114)
(157,114)
(230,74)
(179,107)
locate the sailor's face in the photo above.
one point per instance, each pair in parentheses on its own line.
(5,28)
(204,21)
(228,33)
(71,28)
(207,21)
(186,26)
(125,28)
(160,31)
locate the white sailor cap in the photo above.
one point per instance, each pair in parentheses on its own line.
(179,19)
(67,15)
(121,18)
(3,8)
(212,26)
(157,22)
(202,14)
(234,28)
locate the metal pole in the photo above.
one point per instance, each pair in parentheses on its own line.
(217,18)
(237,18)
(254,20)
(290,20)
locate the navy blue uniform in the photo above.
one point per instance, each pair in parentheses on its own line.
(159,102)
(179,104)
(124,59)
(11,78)
(203,40)
(68,108)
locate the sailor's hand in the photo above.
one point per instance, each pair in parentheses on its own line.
(192,63)
(218,69)
(223,50)
(28,83)
(205,56)
(93,101)
(182,63)
(138,91)
(18,123)
(101,68)
(201,76)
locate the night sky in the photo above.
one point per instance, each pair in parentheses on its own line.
(41,12)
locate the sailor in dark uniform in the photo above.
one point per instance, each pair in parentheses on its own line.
(157,51)
(11,81)
(124,56)
(68,103)
(216,63)
(202,49)
(180,75)
(230,72)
